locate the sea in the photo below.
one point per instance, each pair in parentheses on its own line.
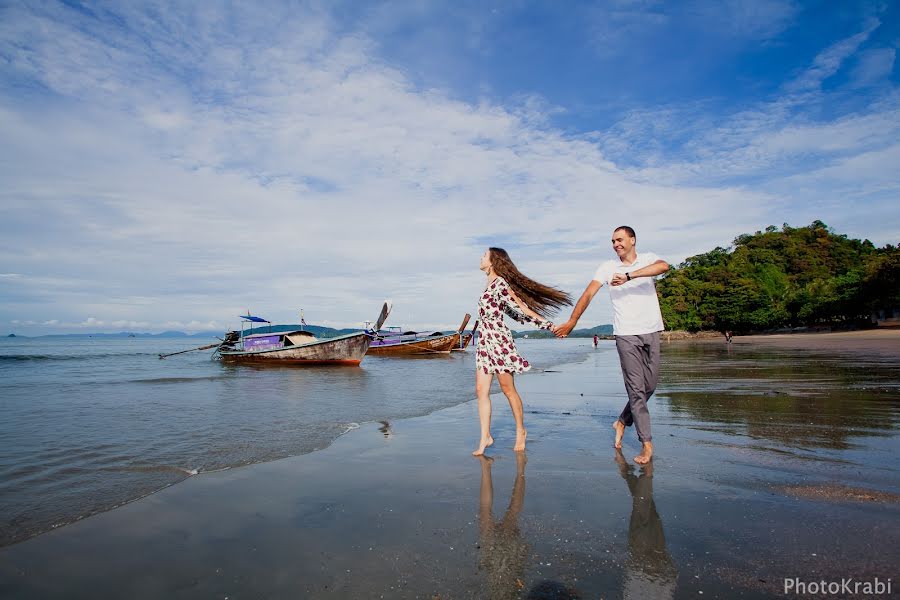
(93,423)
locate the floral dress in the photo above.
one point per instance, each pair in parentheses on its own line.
(496,351)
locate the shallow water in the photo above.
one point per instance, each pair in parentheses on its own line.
(91,423)
(825,411)
(742,436)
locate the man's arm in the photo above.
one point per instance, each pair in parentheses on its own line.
(590,291)
(657,268)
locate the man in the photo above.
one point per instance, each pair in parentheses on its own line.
(636,326)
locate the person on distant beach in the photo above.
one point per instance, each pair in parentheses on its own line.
(636,325)
(596,340)
(509,292)
(728,335)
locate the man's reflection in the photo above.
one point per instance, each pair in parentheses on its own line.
(649,570)
(502,550)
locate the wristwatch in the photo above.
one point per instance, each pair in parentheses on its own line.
(628,276)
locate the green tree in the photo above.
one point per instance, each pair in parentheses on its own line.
(781,277)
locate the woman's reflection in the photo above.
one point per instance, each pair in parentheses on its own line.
(503,551)
(649,571)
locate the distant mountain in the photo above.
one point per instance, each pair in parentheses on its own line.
(130,334)
(601,330)
(316,330)
(326,332)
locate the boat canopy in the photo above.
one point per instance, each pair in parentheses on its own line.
(254,319)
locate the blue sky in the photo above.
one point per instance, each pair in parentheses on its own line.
(170,165)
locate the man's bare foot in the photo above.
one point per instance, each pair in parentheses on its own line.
(646,454)
(485,442)
(521,434)
(619,426)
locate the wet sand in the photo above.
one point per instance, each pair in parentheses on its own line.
(402,510)
(869,341)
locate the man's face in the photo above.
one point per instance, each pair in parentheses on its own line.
(622,243)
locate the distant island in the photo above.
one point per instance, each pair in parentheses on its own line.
(317,330)
(603,331)
(123,334)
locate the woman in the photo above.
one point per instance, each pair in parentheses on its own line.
(525,300)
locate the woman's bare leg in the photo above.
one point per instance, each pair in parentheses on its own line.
(483,392)
(508,385)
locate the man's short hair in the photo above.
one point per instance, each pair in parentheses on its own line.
(627,230)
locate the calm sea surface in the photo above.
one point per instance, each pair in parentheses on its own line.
(89,423)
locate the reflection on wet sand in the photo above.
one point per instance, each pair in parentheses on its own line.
(797,400)
(503,552)
(649,571)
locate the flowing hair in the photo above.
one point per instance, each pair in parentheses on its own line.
(540,298)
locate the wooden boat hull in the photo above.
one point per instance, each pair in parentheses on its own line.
(462,345)
(344,350)
(435,345)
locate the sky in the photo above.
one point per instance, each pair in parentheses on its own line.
(170,166)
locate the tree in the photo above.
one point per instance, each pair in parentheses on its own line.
(777,278)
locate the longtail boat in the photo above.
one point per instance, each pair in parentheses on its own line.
(299,347)
(395,343)
(465,340)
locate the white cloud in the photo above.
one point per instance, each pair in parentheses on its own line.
(185,167)
(747,19)
(830,60)
(874,66)
(806,166)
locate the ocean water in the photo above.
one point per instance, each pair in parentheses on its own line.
(89,424)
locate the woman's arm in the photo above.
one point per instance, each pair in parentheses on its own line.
(519,311)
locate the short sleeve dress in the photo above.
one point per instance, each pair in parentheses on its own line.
(496,351)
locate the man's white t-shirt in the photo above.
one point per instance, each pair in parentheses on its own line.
(635,305)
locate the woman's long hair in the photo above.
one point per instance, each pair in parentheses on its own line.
(540,298)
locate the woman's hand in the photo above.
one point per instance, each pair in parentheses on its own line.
(564,329)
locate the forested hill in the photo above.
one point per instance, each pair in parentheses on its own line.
(791,277)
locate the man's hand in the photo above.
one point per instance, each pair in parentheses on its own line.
(564,329)
(618,279)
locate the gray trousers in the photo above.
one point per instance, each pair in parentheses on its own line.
(639,357)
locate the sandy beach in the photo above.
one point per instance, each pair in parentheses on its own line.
(880,341)
(770,464)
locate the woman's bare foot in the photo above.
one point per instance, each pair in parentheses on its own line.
(485,442)
(646,454)
(521,434)
(619,426)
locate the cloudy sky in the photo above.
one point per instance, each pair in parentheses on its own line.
(170,166)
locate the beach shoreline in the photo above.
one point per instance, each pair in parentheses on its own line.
(403,510)
(875,340)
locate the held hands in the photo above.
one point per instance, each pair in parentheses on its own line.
(563,329)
